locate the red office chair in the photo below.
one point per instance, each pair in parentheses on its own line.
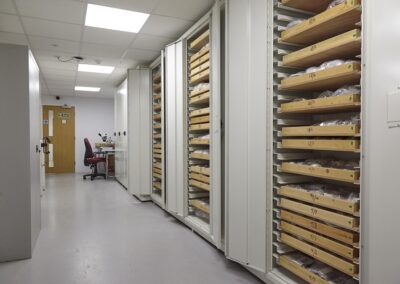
(91,161)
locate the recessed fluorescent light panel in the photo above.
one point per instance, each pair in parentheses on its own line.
(87,89)
(95,68)
(114,19)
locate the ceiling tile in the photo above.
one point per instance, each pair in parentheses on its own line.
(145,6)
(127,64)
(66,73)
(6,6)
(57,10)
(60,83)
(61,91)
(141,55)
(38,27)
(10,23)
(54,76)
(54,45)
(107,37)
(92,79)
(184,9)
(12,38)
(150,42)
(97,50)
(57,65)
(86,94)
(165,26)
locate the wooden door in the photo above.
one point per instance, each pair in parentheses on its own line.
(59,127)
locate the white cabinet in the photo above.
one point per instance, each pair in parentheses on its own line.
(121,134)
(139,133)
(20,121)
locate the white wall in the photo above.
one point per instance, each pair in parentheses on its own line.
(93,116)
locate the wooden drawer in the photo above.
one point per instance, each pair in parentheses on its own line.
(157,146)
(156,96)
(157,107)
(201,205)
(201,60)
(200,156)
(200,99)
(157,136)
(345,175)
(200,41)
(339,19)
(157,117)
(299,270)
(157,175)
(339,103)
(348,252)
(200,127)
(199,54)
(198,141)
(200,119)
(156,126)
(199,184)
(199,112)
(320,144)
(203,76)
(347,45)
(321,255)
(157,156)
(346,237)
(318,199)
(157,171)
(157,185)
(157,165)
(200,170)
(199,92)
(344,221)
(200,68)
(157,88)
(157,78)
(331,78)
(157,151)
(315,6)
(334,130)
(200,177)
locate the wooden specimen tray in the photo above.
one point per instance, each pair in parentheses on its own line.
(157,170)
(157,136)
(200,170)
(201,205)
(157,185)
(200,119)
(200,127)
(157,151)
(157,126)
(157,146)
(321,255)
(157,165)
(344,221)
(157,78)
(203,76)
(343,205)
(334,130)
(157,175)
(156,96)
(331,78)
(339,19)
(157,87)
(200,112)
(299,270)
(157,117)
(201,60)
(200,99)
(315,6)
(199,184)
(201,40)
(345,175)
(200,68)
(200,177)
(199,54)
(198,141)
(347,45)
(348,252)
(344,102)
(346,237)
(199,92)
(323,145)
(200,156)
(157,156)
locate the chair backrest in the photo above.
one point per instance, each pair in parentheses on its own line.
(88,152)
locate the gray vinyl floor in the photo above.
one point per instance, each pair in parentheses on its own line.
(95,232)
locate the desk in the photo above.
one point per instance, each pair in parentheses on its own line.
(110,161)
(101,145)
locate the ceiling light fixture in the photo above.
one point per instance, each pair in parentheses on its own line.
(114,19)
(95,68)
(87,89)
